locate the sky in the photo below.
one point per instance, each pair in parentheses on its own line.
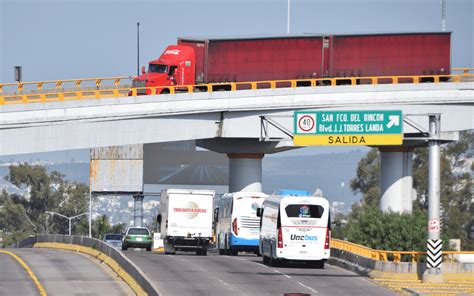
(66,39)
(53,39)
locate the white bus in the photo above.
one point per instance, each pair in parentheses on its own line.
(295,226)
(237,224)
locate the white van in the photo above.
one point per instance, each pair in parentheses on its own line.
(295,225)
(237,224)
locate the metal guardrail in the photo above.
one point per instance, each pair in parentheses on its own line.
(381,255)
(61,84)
(464,70)
(80,94)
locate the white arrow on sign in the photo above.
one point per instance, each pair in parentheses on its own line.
(393,120)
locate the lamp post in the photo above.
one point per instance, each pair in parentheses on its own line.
(69,218)
(288,18)
(138,48)
(90,214)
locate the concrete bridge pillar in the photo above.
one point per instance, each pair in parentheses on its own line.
(138,210)
(245,159)
(245,171)
(396,181)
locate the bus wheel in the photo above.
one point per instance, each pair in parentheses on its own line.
(221,252)
(233,252)
(265,259)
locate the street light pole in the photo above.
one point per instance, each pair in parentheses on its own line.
(288,18)
(90,214)
(66,217)
(138,48)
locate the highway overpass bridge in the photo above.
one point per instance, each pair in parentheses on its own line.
(244,124)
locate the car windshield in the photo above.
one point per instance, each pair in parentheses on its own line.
(139,231)
(304,211)
(158,68)
(113,237)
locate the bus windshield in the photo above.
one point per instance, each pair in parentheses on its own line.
(304,211)
(158,68)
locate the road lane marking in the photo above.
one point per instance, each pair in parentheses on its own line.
(28,270)
(307,287)
(287,276)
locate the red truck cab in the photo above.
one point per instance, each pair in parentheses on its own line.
(174,67)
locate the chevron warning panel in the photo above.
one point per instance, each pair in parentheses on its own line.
(435,253)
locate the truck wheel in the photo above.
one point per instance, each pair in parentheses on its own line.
(169,250)
(204,252)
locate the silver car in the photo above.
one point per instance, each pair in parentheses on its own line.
(114,239)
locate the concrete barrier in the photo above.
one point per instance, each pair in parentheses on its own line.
(125,268)
(451,270)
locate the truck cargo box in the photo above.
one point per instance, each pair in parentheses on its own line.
(390,54)
(315,56)
(256,58)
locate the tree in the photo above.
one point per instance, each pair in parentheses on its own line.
(369,226)
(457,215)
(14,220)
(45,192)
(367,180)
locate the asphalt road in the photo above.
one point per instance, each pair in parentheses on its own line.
(14,279)
(60,273)
(188,274)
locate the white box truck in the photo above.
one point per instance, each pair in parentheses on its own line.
(185,220)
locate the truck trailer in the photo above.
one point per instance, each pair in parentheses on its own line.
(185,220)
(199,61)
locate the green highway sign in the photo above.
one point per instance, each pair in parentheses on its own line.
(380,127)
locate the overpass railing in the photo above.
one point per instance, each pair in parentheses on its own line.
(395,256)
(112,87)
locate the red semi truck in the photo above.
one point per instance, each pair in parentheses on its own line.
(197,61)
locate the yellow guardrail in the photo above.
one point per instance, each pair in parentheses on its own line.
(61,84)
(464,70)
(395,256)
(80,94)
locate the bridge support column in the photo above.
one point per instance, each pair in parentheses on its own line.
(245,171)
(396,182)
(138,210)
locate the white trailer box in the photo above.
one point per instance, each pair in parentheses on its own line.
(186,220)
